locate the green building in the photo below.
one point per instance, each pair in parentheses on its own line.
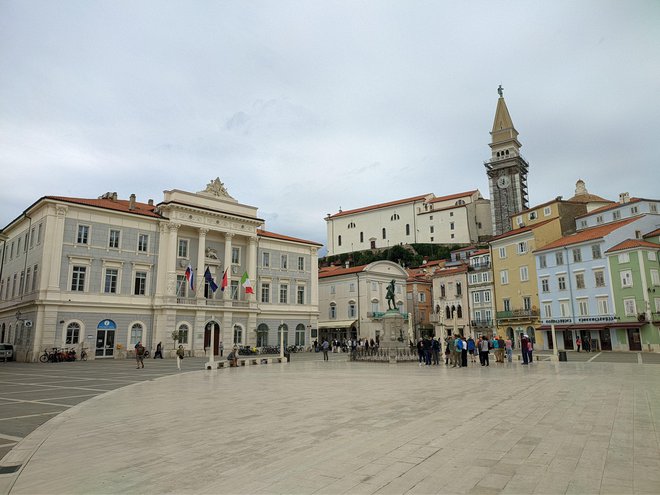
(635,272)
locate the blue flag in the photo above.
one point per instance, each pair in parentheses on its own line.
(209,279)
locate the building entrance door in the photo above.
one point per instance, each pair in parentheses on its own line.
(216,336)
(568,340)
(605,340)
(105,339)
(551,344)
(634,340)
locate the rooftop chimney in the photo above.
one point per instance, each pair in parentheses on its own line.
(131,202)
(624,198)
(114,196)
(150,202)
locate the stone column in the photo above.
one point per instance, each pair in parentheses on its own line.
(52,259)
(251,265)
(171,258)
(201,256)
(226,295)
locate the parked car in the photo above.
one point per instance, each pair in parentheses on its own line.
(6,352)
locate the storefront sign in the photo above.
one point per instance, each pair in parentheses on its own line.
(585,319)
(558,320)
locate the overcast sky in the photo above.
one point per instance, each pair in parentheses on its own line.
(307,106)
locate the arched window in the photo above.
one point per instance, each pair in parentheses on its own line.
(238,334)
(460,202)
(333,311)
(459,312)
(72,333)
(136,332)
(338,240)
(437,309)
(351,225)
(394,217)
(407,229)
(361,236)
(283,328)
(384,233)
(183,333)
(262,335)
(448,312)
(300,334)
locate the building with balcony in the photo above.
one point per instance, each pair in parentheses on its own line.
(419,294)
(481,293)
(352,299)
(104,273)
(450,295)
(575,288)
(462,218)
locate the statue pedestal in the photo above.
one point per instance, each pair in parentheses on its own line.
(393,337)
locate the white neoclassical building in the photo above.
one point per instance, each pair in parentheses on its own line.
(462,218)
(352,299)
(104,273)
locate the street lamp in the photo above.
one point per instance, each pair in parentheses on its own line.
(281,341)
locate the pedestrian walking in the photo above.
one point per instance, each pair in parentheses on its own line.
(464,352)
(324,347)
(586,344)
(530,349)
(420,352)
(472,349)
(456,351)
(428,348)
(508,346)
(139,354)
(447,351)
(483,351)
(578,343)
(435,350)
(524,340)
(179,357)
(159,351)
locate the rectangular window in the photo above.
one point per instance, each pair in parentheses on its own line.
(564,308)
(527,303)
(595,251)
(599,219)
(351,287)
(113,239)
(234,289)
(78,278)
(21,286)
(459,289)
(603,306)
(579,280)
(72,334)
(11,250)
(183,248)
(583,307)
(333,289)
(626,278)
(284,262)
(284,294)
(351,311)
(374,307)
(265,292)
(32,238)
(624,258)
(431,229)
(650,255)
(181,286)
(18,246)
(547,211)
(504,277)
(616,215)
(487,315)
(83,234)
(110,284)
(542,261)
(547,310)
(422,297)
(502,253)
(265,260)
(559,258)
(140,286)
(507,304)
(633,210)
(39,234)
(35,280)
(487,296)
(476,297)
(143,243)
(235,255)
(545,285)
(599,278)
(522,247)
(577,255)
(451,225)
(655,277)
(477,315)
(630,307)
(524,274)
(300,294)
(561,282)
(333,312)
(301,263)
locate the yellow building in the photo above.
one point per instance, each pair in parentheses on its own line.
(514,269)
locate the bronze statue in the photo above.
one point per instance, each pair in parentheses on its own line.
(390,296)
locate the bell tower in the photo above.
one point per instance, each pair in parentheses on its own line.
(506,169)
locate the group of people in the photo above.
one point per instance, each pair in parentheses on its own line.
(349,345)
(458,348)
(585,344)
(141,353)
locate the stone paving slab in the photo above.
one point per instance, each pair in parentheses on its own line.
(340,427)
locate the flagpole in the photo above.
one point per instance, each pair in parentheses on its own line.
(281,341)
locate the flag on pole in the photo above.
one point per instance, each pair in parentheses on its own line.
(245,282)
(209,278)
(224,281)
(190,277)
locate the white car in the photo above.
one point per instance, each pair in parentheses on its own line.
(6,352)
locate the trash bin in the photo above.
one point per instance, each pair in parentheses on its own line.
(562,356)
(287,355)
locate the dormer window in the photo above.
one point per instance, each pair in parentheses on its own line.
(351,225)
(460,202)
(394,217)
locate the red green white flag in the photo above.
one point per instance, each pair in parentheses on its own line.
(245,282)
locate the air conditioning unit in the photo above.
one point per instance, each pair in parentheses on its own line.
(27,323)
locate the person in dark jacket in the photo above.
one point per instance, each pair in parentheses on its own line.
(524,340)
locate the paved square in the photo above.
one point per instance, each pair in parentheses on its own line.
(340,427)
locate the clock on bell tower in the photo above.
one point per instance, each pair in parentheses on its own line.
(506,169)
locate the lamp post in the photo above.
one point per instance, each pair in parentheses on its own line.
(281,341)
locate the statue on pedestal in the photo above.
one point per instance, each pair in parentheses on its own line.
(391,304)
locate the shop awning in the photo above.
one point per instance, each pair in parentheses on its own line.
(593,326)
(336,324)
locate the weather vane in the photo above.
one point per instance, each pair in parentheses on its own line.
(500,90)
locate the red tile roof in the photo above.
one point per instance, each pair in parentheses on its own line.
(585,235)
(454,196)
(632,243)
(654,233)
(120,205)
(380,205)
(333,271)
(273,235)
(451,270)
(610,207)
(480,252)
